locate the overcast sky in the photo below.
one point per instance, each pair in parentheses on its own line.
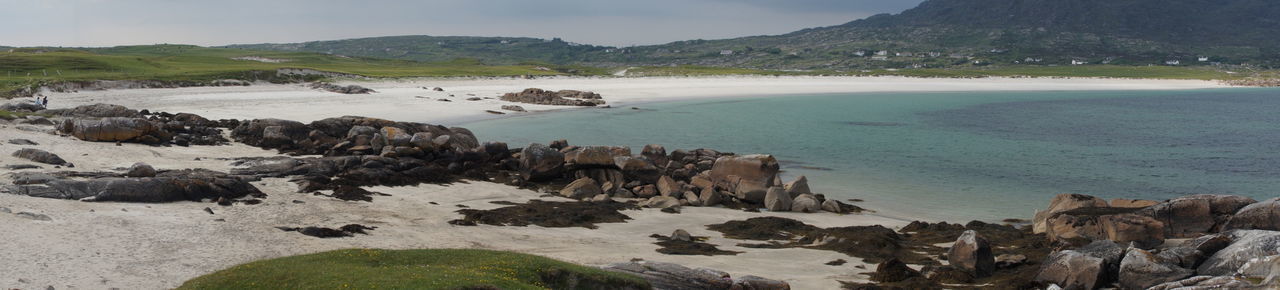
(601,22)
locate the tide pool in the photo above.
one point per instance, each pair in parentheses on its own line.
(963,155)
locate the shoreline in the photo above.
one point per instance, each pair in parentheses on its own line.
(399,99)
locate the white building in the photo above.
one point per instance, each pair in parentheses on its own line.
(1078,62)
(726,52)
(882,52)
(860,53)
(1173,62)
(1203,59)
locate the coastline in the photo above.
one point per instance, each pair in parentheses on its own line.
(406,99)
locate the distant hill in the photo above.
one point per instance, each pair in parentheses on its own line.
(490,50)
(937,33)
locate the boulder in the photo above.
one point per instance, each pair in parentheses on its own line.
(1245,245)
(1195,215)
(662,202)
(1007,261)
(655,152)
(681,235)
(1140,270)
(1144,231)
(646,191)
(1081,225)
(38,155)
(180,185)
(1132,203)
(514,108)
(282,135)
(539,162)
(1263,215)
(140,170)
(1206,283)
(639,169)
(591,157)
(100,111)
(777,200)
(758,283)
(673,276)
(709,197)
(1061,203)
(667,186)
(581,188)
(798,186)
(554,98)
(806,203)
(393,136)
(22,142)
(135,130)
(834,206)
(1073,270)
(613,178)
(1266,269)
(749,191)
(972,253)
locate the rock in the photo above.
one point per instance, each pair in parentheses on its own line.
(638,169)
(662,202)
(972,253)
(777,200)
(1263,215)
(179,185)
(539,162)
(21,107)
(893,270)
(672,276)
(1195,215)
(395,136)
(760,283)
(806,203)
(1132,203)
(1007,261)
(591,157)
(834,206)
(798,186)
(25,178)
(1191,253)
(1205,283)
(692,198)
(756,170)
(1081,225)
(22,142)
(1140,270)
(581,188)
(34,216)
(681,235)
(1072,270)
(513,108)
(100,111)
(709,197)
(282,136)
(646,191)
(555,98)
(350,90)
(1245,245)
(947,274)
(655,152)
(667,186)
(134,130)
(38,155)
(1061,203)
(140,170)
(600,198)
(749,191)
(1146,232)
(1266,269)
(559,144)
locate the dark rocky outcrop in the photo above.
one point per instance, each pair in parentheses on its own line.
(140,170)
(133,130)
(555,98)
(38,155)
(97,111)
(971,252)
(1263,215)
(350,89)
(549,214)
(1140,270)
(1195,215)
(325,233)
(1245,245)
(168,186)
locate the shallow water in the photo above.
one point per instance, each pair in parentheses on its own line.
(964,155)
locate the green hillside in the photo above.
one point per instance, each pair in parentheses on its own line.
(490,50)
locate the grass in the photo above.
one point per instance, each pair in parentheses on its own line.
(8,115)
(414,269)
(27,67)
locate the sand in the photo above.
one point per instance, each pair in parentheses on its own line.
(157,246)
(407,100)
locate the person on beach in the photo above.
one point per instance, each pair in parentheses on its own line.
(45,103)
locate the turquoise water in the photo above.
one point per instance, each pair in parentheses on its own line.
(964,155)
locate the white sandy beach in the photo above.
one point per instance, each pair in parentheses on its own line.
(157,246)
(406,100)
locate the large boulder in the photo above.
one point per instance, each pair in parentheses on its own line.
(1264,215)
(755,171)
(136,130)
(668,187)
(1207,283)
(798,186)
(609,179)
(140,170)
(100,111)
(1072,270)
(554,98)
(1061,203)
(38,155)
(1144,231)
(582,188)
(639,169)
(181,185)
(271,133)
(539,162)
(777,199)
(972,253)
(1245,245)
(1140,270)
(1132,203)
(806,203)
(709,197)
(662,202)
(655,152)
(1195,215)
(591,157)
(893,270)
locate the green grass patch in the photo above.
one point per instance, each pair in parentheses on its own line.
(414,269)
(9,115)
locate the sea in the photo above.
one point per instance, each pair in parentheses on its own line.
(960,156)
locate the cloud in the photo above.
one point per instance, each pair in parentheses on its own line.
(605,22)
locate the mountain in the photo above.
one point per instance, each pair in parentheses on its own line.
(937,33)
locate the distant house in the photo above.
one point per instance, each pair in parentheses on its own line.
(726,52)
(1078,62)
(935,54)
(882,53)
(860,53)
(506,42)
(1033,60)
(1203,59)
(880,58)
(1173,62)
(904,54)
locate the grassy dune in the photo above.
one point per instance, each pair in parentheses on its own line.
(414,269)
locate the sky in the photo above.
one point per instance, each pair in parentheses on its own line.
(83,23)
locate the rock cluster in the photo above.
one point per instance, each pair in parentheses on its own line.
(555,98)
(113,123)
(350,90)
(179,185)
(673,276)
